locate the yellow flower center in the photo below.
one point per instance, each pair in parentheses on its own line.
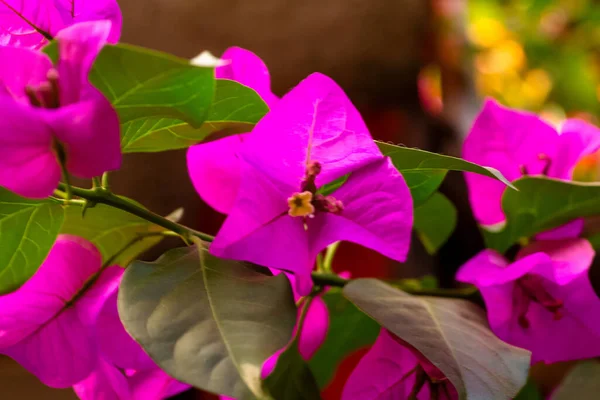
(301,204)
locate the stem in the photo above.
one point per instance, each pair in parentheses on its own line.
(96,183)
(103,196)
(105,183)
(329,254)
(328,279)
(307,301)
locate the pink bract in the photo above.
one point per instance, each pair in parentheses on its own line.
(27,23)
(541,301)
(44,107)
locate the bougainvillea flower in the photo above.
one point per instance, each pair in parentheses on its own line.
(543,301)
(392,369)
(219,158)
(519,143)
(124,371)
(49,112)
(47,324)
(30,23)
(280,220)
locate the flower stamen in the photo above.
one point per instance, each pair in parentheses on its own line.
(300,204)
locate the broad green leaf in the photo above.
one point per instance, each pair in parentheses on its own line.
(452,334)
(28,229)
(435,221)
(211,324)
(582,383)
(349,330)
(235,109)
(292,378)
(541,204)
(529,392)
(424,171)
(143,83)
(111,229)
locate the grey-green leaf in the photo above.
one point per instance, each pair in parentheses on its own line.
(236,109)
(541,204)
(435,221)
(582,383)
(28,229)
(110,229)
(209,324)
(452,334)
(349,330)
(424,171)
(292,378)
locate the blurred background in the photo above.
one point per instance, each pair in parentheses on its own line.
(417,70)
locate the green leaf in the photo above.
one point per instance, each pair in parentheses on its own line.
(452,334)
(541,204)
(236,109)
(529,392)
(292,379)
(582,383)
(331,187)
(28,229)
(142,83)
(211,324)
(349,330)
(435,221)
(110,229)
(424,171)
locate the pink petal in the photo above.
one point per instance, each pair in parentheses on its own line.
(17,18)
(378,212)
(504,139)
(384,374)
(37,329)
(315,115)
(570,259)
(569,230)
(214,169)
(79,11)
(488,268)
(90,133)
(26,67)
(78,47)
(260,221)
(115,343)
(248,69)
(315,328)
(105,383)
(578,139)
(28,165)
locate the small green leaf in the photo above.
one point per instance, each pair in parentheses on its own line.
(452,334)
(331,187)
(110,229)
(235,109)
(582,383)
(28,229)
(211,324)
(349,330)
(423,184)
(541,204)
(424,171)
(435,221)
(292,379)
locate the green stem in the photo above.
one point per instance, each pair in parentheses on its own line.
(96,183)
(105,181)
(103,196)
(329,254)
(328,279)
